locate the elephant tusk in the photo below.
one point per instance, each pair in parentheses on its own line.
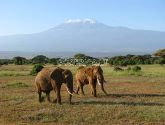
(98,82)
(69,91)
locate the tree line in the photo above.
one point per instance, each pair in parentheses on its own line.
(81,59)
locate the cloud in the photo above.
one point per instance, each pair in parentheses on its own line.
(87,20)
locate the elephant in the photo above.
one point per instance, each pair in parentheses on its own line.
(92,76)
(49,79)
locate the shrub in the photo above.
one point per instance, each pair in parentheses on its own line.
(136,68)
(53,61)
(36,68)
(19,60)
(129,68)
(40,59)
(116,68)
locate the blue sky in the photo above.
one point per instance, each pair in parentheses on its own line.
(29,16)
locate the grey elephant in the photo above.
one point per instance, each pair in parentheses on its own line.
(49,79)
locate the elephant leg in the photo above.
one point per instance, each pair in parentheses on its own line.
(82,90)
(93,89)
(102,88)
(39,96)
(58,94)
(70,98)
(48,96)
(78,88)
(55,100)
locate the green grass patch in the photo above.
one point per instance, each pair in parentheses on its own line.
(146,70)
(13,73)
(17,85)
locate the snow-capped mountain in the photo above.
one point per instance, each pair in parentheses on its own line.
(85,35)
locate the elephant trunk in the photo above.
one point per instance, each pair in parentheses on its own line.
(68,81)
(69,86)
(98,81)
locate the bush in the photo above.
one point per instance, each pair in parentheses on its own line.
(129,68)
(53,61)
(136,68)
(36,68)
(19,60)
(40,59)
(116,68)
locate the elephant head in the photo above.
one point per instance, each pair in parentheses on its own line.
(92,76)
(98,74)
(68,80)
(99,77)
(62,76)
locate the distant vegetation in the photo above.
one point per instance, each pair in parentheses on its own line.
(160,53)
(36,68)
(82,59)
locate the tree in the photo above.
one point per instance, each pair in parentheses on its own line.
(53,61)
(40,59)
(36,68)
(160,53)
(84,59)
(161,61)
(19,60)
(6,61)
(79,56)
(131,60)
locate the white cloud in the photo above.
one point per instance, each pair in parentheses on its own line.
(87,20)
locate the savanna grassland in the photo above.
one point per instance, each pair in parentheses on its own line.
(133,98)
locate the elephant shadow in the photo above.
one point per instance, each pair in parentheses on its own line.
(134,95)
(125,103)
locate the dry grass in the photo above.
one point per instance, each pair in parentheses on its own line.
(132,100)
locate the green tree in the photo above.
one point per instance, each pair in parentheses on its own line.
(40,59)
(160,53)
(53,61)
(19,60)
(79,56)
(36,68)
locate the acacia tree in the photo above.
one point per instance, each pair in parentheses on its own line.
(19,60)
(53,61)
(160,53)
(84,59)
(40,59)
(79,56)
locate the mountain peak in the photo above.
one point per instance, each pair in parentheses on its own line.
(75,21)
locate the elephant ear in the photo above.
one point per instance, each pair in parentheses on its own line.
(65,74)
(100,69)
(56,74)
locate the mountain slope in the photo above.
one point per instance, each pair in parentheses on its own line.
(85,35)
